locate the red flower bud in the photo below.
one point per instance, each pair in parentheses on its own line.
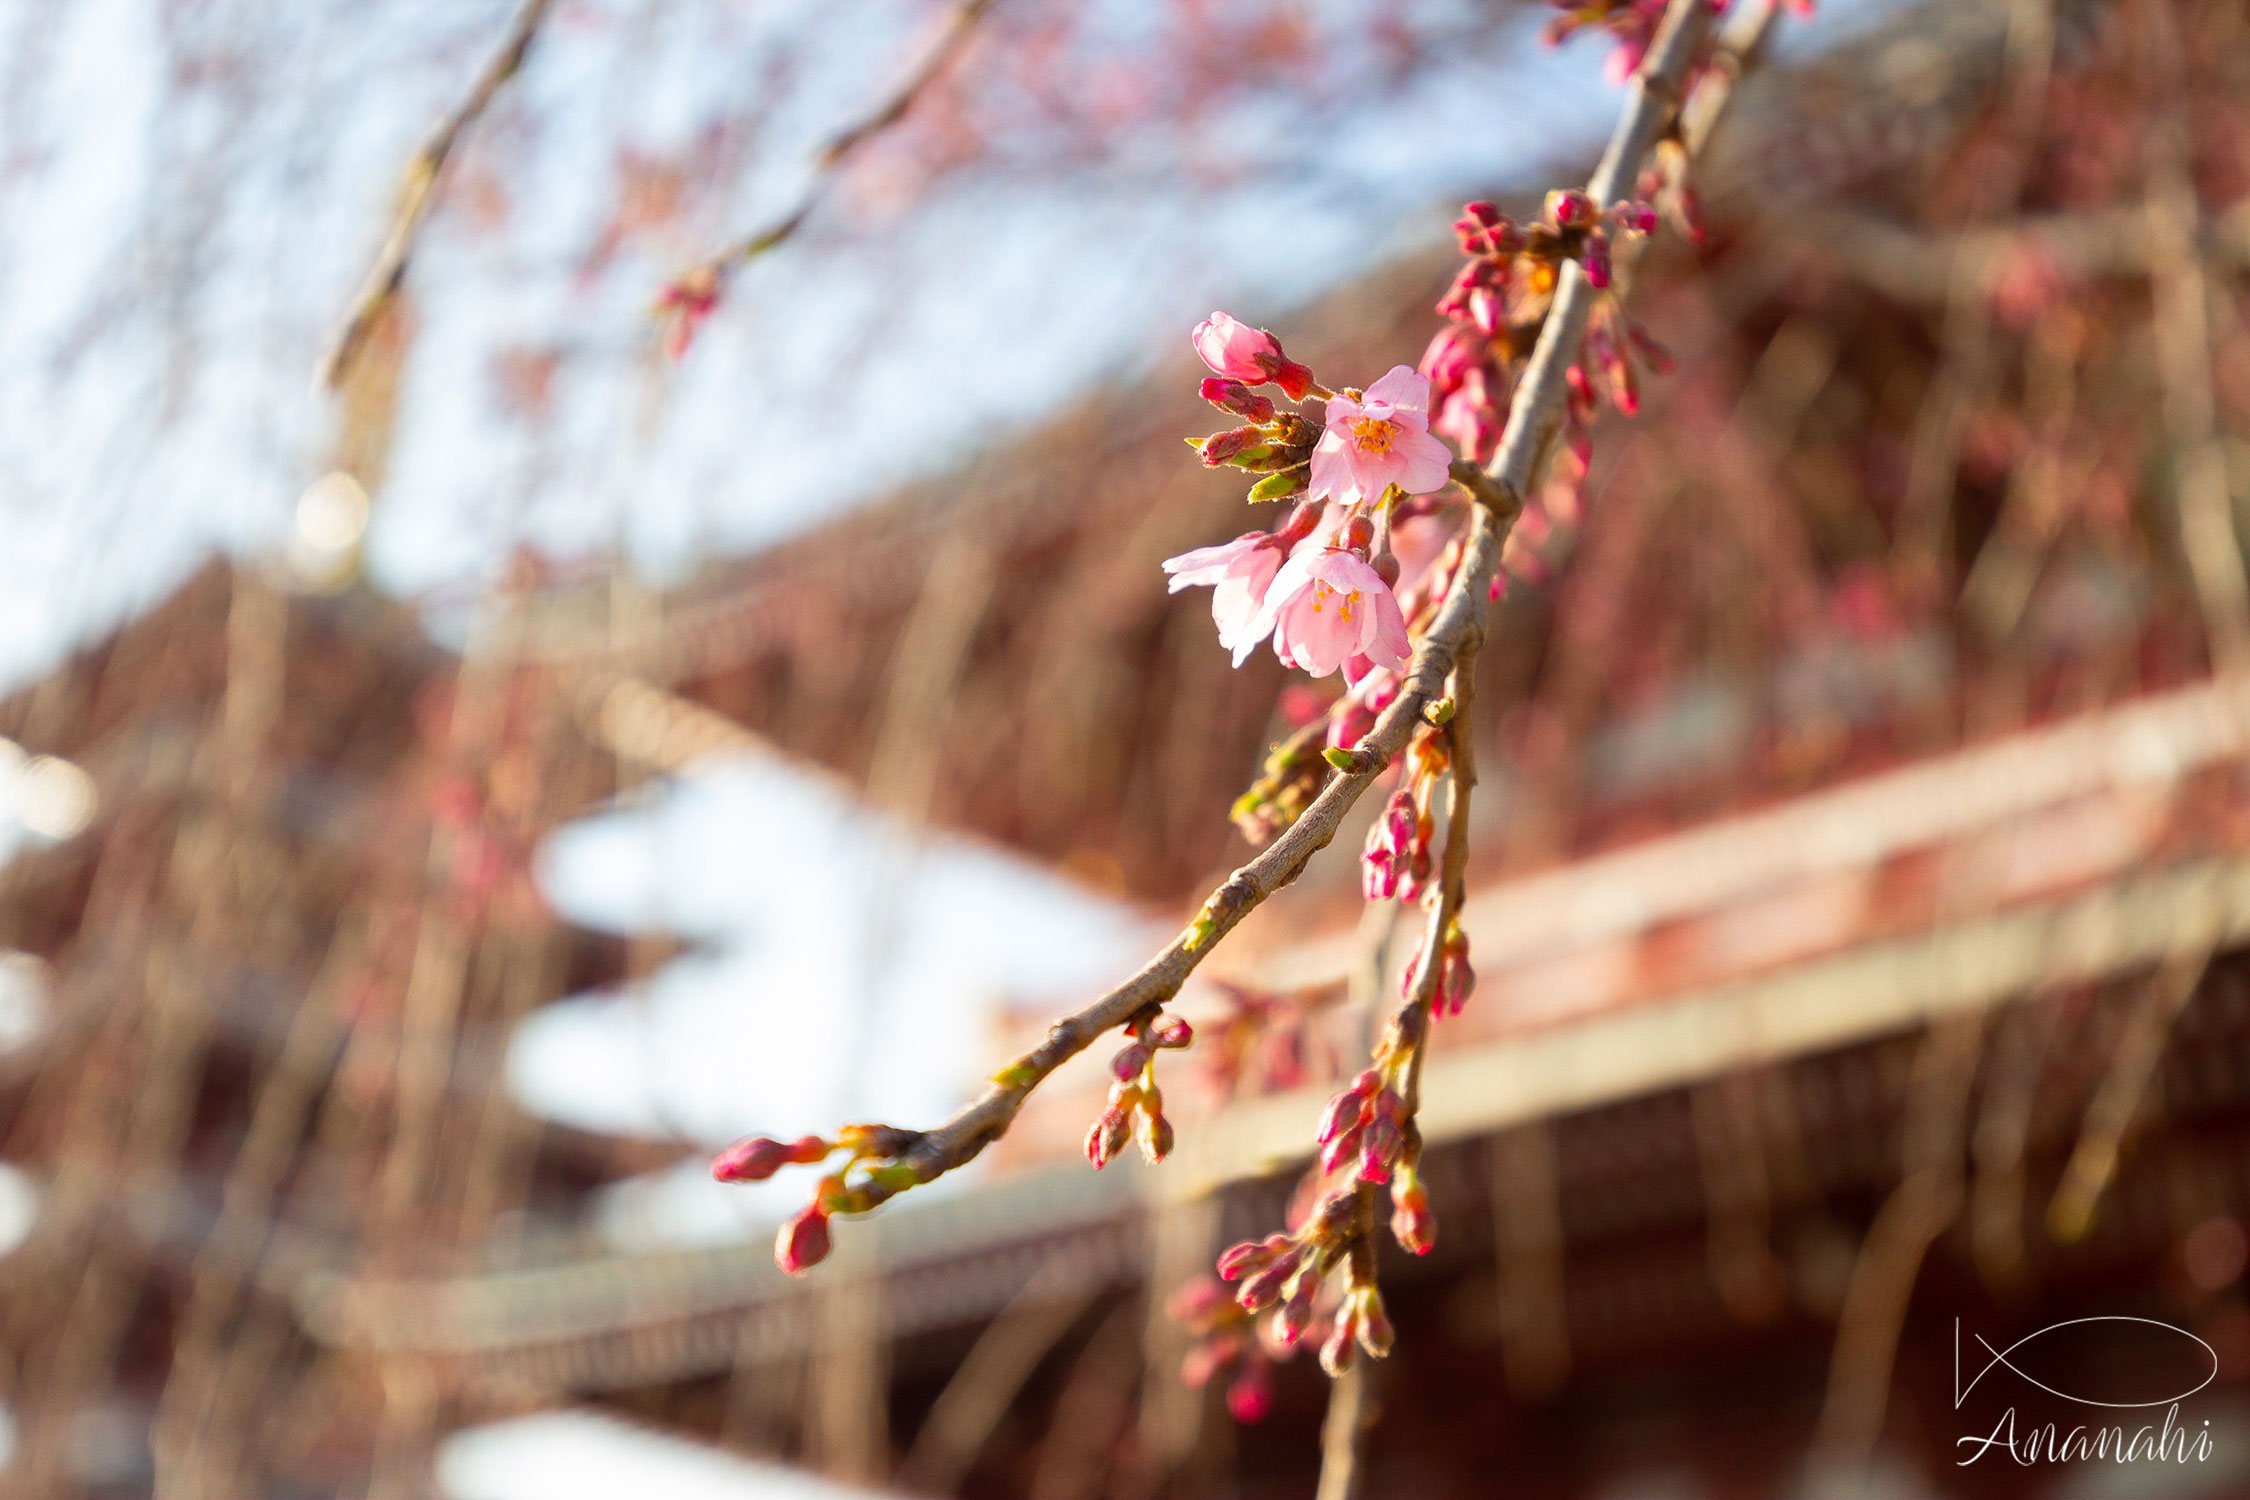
(1342,1114)
(1633,218)
(1240,1260)
(1484,231)
(1128,1062)
(1379,1149)
(1234,396)
(1175,1032)
(752,1159)
(1336,1354)
(1412,1223)
(1221,446)
(803,1241)
(1597,261)
(1250,1397)
(1488,311)
(1567,208)
(1342,1147)
(1264,1287)
(1294,379)
(1374,1331)
(1296,1313)
(1154,1133)
(1107,1136)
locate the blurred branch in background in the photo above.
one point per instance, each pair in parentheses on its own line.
(416,186)
(695,293)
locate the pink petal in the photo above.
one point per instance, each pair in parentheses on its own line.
(1403,390)
(1293,579)
(1341,409)
(1384,639)
(1332,471)
(1207,564)
(1424,463)
(1371,472)
(1316,640)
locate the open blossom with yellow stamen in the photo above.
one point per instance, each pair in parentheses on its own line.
(1378,441)
(1327,605)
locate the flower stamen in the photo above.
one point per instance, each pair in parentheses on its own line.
(1374,436)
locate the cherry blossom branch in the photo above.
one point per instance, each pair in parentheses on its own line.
(892,1160)
(695,292)
(416,187)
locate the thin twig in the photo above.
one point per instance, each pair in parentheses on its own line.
(839,148)
(415,189)
(1349,1415)
(2118,1098)
(1919,1209)
(1343,1433)
(2183,348)
(1533,417)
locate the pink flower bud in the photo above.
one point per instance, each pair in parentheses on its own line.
(1295,380)
(1243,1259)
(1391,844)
(1234,396)
(1633,218)
(1264,1287)
(1154,1133)
(685,303)
(1597,261)
(1129,1061)
(1412,1223)
(1373,1328)
(803,1241)
(1450,358)
(1568,208)
(1336,1353)
(1296,1313)
(1174,1033)
(1485,232)
(751,1159)
(1202,1362)
(1107,1136)
(1342,1113)
(1456,980)
(1234,349)
(1342,1147)
(1379,1148)
(1250,1397)
(1219,447)
(1332,1216)
(1488,310)
(1302,522)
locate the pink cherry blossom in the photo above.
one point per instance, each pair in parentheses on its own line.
(1381,440)
(1327,605)
(1239,573)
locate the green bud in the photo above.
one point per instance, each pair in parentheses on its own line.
(1279,486)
